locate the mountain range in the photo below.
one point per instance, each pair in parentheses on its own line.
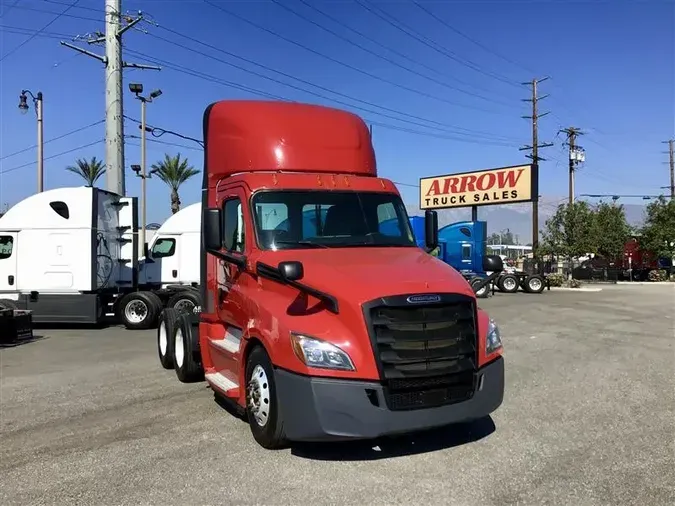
(517,217)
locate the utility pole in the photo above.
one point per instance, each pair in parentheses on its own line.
(671,153)
(576,155)
(116,24)
(23,107)
(535,153)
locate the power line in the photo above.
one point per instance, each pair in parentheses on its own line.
(399,25)
(53,139)
(395,51)
(377,55)
(9,8)
(53,156)
(64,14)
(474,41)
(335,60)
(476,135)
(59,15)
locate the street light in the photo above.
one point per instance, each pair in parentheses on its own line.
(137,89)
(23,108)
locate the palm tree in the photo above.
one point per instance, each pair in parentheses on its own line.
(89,170)
(174,172)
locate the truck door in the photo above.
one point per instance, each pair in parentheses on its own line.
(231,280)
(8,261)
(165,256)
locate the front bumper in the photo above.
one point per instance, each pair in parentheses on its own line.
(324,409)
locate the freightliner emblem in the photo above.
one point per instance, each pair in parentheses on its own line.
(422,299)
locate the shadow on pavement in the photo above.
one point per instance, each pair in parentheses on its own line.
(21,342)
(400,446)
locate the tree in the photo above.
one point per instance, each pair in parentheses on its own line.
(610,230)
(569,232)
(174,171)
(89,170)
(658,233)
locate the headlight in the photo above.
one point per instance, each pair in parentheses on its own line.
(494,338)
(316,353)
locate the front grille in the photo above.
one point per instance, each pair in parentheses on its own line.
(426,353)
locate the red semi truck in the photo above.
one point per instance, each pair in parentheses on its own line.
(331,331)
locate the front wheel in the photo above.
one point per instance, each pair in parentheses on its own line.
(482,292)
(262,404)
(139,310)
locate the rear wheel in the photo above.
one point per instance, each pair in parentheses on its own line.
(184,301)
(534,284)
(262,405)
(165,333)
(508,283)
(185,345)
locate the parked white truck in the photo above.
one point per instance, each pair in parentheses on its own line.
(70,255)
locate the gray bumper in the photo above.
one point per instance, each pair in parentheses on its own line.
(322,409)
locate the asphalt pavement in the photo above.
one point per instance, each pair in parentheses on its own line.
(89,417)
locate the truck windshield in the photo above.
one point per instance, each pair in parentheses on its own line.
(330,219)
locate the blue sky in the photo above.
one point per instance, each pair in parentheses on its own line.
(611,65)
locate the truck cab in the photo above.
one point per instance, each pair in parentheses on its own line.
(322,318)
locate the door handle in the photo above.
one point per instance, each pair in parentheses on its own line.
(174,273)
(10,280)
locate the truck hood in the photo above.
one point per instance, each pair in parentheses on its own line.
(363,274)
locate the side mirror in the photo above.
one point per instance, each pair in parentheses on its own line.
(291,271)
(146,250)
(493,263)
(212,230)
(431,230)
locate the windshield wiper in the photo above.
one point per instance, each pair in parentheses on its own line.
(303,243)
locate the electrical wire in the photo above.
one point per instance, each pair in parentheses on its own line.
(9,8)
(391,49)
(334,60)
(451,129)
(18,30)
(63,14)
(470,39)
(380,56)
(399,25)
(59,15)
(5,171)
(54,139)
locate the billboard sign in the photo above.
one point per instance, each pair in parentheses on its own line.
(505,185)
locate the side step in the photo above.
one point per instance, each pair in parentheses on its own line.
(226,386)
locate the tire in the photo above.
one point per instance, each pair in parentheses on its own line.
(508,283)
(534,284)
(483,292)
(187,367)
(166,329)
(8,304)
(267,426)
(185,301)
(139,310)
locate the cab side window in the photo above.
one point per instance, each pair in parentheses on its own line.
(6,246)
(164,248)
(233,225)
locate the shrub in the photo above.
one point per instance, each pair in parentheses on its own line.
(658,275)
(555,279)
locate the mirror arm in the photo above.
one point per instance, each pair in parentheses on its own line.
(239,261)
(273,273)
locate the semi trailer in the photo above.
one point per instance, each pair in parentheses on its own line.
(336,332)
